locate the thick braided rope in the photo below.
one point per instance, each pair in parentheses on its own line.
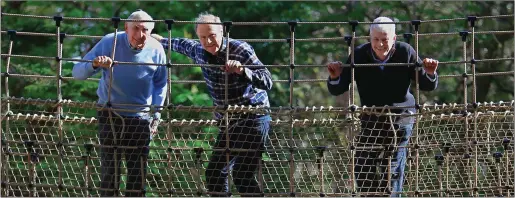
(292,61)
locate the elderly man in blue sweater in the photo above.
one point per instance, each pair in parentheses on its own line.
(381,86)
(133,88)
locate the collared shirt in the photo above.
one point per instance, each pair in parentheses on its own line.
(390,86)
(390,53)
(376,60)
(248,88)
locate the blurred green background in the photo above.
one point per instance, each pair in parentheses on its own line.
(70,168)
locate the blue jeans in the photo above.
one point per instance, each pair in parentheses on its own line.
(129,131)
(371,165)
(245,133)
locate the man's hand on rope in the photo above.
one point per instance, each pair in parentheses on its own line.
(430,65)
(157,37)
(335,69)
(102,61)
(233,66)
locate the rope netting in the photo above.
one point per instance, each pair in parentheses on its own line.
(51,147)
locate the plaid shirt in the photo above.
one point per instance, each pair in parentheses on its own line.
(249,88)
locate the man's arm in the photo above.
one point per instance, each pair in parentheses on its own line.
(160,84)
(427,82)
(84,70)
(181,45)
(341,84)
(260,77)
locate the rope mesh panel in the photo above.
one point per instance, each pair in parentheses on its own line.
(51,147)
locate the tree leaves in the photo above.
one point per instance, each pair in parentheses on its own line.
(448,48)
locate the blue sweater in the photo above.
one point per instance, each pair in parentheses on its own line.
(132,84)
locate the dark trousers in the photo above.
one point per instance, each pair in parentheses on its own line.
(371,165)
(243,133)
(129,131)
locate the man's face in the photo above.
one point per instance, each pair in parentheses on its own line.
(382,43)
(137,34)
(210,36)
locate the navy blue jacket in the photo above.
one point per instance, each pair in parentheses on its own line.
(384,86)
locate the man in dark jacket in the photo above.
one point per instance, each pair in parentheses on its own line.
(380,86)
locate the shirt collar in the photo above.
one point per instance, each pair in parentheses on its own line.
(388,56)
(134,48)
(224,45)
(221,51)
(130,45)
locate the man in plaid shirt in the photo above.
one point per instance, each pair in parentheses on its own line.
(246,86)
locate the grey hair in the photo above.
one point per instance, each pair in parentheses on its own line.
(206,18)
(141,15)
(382,27)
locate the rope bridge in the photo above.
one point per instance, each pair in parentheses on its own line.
(50,146)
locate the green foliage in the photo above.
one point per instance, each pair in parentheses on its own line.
(276,172)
